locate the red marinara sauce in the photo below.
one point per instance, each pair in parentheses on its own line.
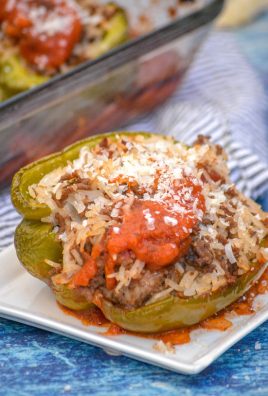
(157,232)
(46,30)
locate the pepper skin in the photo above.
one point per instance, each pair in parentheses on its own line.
(36,241)
(15,77)
(116,33)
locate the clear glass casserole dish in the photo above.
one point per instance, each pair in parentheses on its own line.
(108,92)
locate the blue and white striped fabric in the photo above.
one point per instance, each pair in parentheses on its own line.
(221,97)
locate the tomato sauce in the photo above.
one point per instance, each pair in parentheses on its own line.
(173,337)
(46,30)
(85,274)
(218,322)
(157,232)
(94,317)
(89,269)
(89,317)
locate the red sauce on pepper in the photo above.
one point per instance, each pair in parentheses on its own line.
(46,30)
(89,317)
(89,269)
(85,274)
(157,232)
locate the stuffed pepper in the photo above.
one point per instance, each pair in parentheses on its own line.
(150,230)
(40,38)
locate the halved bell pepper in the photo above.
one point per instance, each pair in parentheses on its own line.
(35,242)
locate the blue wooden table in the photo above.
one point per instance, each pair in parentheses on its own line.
(35,362)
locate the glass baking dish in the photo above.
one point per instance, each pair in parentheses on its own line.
(110,91)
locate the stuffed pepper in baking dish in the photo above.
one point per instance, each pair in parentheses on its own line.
(151,231)
(40,38)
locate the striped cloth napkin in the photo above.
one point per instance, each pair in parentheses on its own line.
(221,97)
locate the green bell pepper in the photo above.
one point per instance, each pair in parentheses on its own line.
(15,77)
(116,32)
(35,242)
(43,245)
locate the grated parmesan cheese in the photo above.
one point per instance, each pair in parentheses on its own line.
(170,221)
(229,253)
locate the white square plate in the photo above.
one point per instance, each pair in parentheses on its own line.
(27,300)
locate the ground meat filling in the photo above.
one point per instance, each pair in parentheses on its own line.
(139,290)
(200,256)
(141,218)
